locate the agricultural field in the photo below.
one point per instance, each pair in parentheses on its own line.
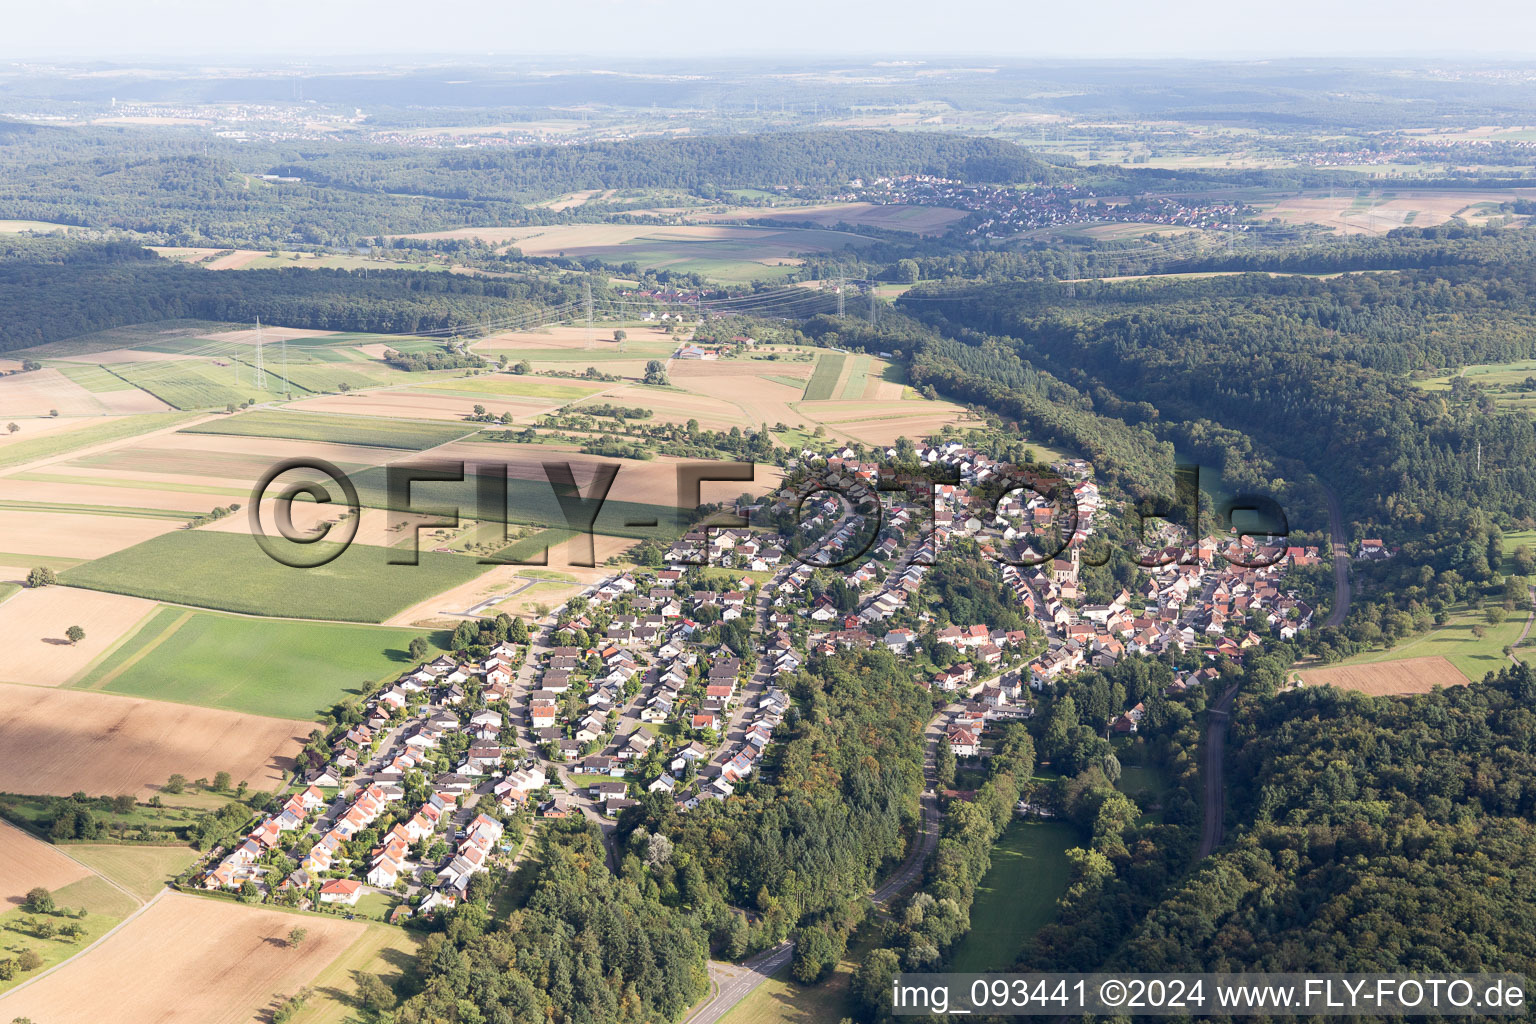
(1376,211)
(141,869)
(77,531)
(93,904)
(413,404)
(823,382)
(370,431)
(1017,895)
(723,252)
(230,572)
(49,392)
(197,383)
(921,220)
(382,950)
(501,386)
(286,669)
(1400,677)
(26,862)
(59,741)
(1418,661)
(188,960)
(184,333)
(26,446)
(33,623)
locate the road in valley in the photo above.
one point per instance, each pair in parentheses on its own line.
(1341,592)
(1221,711)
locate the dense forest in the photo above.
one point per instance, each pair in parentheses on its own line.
(53,289)
(186,190)
(1381,835)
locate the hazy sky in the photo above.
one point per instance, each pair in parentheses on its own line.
(676,29)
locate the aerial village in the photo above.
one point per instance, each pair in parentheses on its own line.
(634,687)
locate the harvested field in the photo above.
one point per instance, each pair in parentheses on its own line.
(26,862)
(248,336)
(1375,213)
(922,220)
(381,433)
(75,536)
(672,407)
(760,399)
(187,960)
(48,425)
(40,392)
(142,870)
(495,388)
(421,405)
(106,491)
(268,449)
(59,741)
(33,624)
(1389,678)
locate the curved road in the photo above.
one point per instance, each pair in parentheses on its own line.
(734,982)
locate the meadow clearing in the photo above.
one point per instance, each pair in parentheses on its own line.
(33,623)
(1456,643)
(1017,895)
(59,741)
(187,960)
(285,669)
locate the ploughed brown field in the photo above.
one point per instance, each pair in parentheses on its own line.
(187,960)
(59,741)
(26,862)
(1388,678)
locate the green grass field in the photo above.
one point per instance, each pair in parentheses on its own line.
(229,572)
(104,905)
(1473,656)
(91,434)
(95,379)
(280,669)
(383,950)
(824,378)
(186,334)
(195,384)
(142,870)
(1017,895)
(373,431)
(858,378)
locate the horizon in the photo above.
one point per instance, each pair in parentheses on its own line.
(82,30)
